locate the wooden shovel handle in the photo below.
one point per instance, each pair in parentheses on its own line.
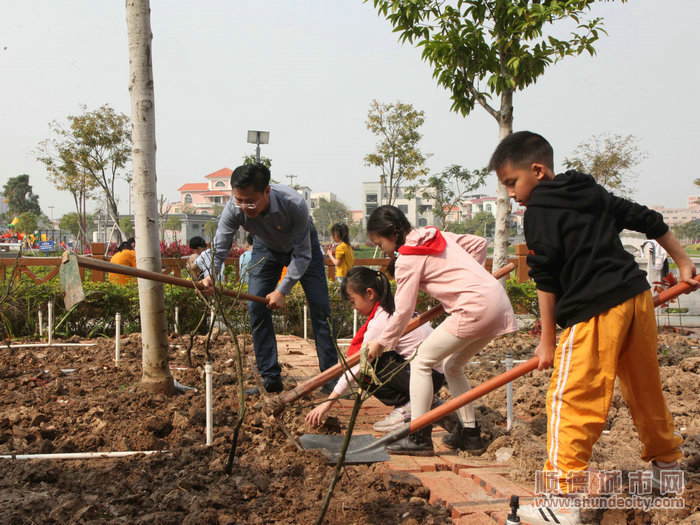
(104,266)
(502,379)
(335,371)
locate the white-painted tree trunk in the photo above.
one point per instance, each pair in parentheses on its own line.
(156,375)
(502,233)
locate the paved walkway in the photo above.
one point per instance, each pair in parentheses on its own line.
(476,491)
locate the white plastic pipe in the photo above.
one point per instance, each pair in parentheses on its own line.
(177,320)
(306,321)
(509,395)
(208,396)
(117,337)
(41,323)
(40,345)
(354,321)
(50,327)
(83,455)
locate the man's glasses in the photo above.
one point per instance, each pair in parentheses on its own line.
(248,205)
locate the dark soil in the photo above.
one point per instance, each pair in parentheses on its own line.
(75,400)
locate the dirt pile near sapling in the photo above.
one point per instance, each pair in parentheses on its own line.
(76,400)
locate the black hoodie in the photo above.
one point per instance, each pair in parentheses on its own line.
(572,227)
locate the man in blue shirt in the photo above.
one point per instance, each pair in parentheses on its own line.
(284,234)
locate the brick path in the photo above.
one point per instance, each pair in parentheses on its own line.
(475,490)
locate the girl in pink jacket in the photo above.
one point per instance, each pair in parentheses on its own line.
(450,268)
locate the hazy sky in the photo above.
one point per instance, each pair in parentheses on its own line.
(307,71)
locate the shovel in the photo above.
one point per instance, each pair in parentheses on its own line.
(335,371)
(73,288)
(367,449)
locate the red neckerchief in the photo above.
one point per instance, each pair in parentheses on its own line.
(431,247)
(356,342)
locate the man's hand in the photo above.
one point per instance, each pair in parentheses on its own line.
(545,351)
(275,300)
(207,284)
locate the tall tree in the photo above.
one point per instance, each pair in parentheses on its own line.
(252,159)
(447,189)
(610,159)
(482,48)
(91,152)
(397,154)
(26,222)
(20,197)
(328,213)
(156,375)
(482,223)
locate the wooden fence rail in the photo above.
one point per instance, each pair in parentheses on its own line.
(174,266)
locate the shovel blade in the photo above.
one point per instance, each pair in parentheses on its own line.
(360,450)
(71,284)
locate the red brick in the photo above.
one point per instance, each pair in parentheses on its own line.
(446,487)
(496,484)
(405,463)
(476,518)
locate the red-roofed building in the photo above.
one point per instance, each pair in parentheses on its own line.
(201,197)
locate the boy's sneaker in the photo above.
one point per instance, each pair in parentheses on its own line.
(656,471)
(395,419)
(531,515)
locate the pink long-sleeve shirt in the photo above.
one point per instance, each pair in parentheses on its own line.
(477,303)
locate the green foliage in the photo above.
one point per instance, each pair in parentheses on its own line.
(173,223)
(448,188)
(19,196)
(396,154)
(523,297)
(478,48)
(480,224)
(328,213)
(687,233)
(127,226)
(610,159)
(252,159)
(210,229)
(88,156)
(26,222)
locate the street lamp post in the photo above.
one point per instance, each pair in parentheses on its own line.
(258,137)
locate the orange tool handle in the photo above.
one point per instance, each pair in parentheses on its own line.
(104,266)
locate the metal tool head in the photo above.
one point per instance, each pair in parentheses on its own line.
(71,284)
(361,449)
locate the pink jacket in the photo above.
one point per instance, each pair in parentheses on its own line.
(477,303)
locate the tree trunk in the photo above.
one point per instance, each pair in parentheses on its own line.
(502,233)
(156,375)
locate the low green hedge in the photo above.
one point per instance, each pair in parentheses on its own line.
(95,315)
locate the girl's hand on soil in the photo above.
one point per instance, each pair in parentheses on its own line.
(375,350)
(545,351)
(316,415)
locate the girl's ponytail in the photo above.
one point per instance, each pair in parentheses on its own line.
(360,278)
(342,230)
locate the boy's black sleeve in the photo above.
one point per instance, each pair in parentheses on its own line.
(544,246)
(632,216)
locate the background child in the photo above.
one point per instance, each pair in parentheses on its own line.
(244,259)
(591,286)
(342,256)
(369,292)
(126,256)
(200,263)
(450,268)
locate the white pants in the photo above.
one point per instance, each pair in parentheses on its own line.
(454,353)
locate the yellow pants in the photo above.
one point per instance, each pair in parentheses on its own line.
(622,342)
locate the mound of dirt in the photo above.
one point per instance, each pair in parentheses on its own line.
(75,400)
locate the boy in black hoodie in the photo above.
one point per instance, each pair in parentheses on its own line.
(590,286)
